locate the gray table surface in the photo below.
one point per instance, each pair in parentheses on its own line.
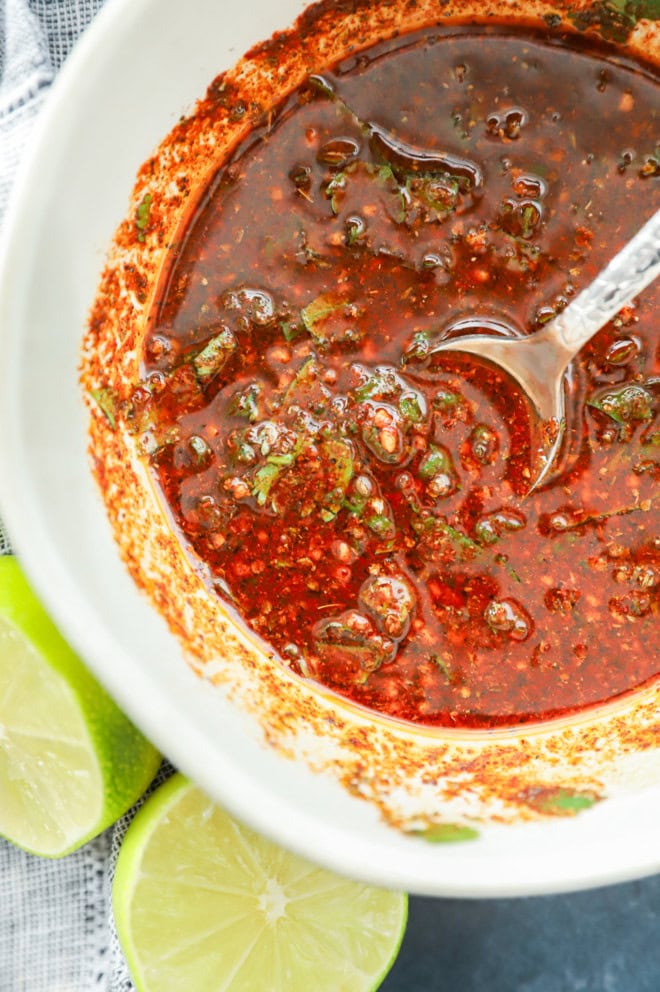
(603,940)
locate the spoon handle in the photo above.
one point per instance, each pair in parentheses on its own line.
(629,272)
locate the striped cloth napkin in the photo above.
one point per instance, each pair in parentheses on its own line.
(56,929)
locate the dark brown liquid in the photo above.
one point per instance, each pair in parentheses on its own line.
(357,498)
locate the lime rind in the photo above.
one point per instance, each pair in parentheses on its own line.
(71,762)
(50,779)
(202,901)
(127,872)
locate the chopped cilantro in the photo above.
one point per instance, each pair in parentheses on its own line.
(492,526)
(290,329)
(356,229)
(615,19)
(446,833)
(245,403)
(411,406)
(439,662)
(418,349)
(380,525)
(530,218)
(338,458)
(435,461)
(651,437)
(380,383)
(335,191)
(392,197)
(142,216)
(106,401)
(627,404)
(264,478)
(306,388)
(316,313)
(433,197)
(214,355)
(440,541)
(200,449)
(561,801)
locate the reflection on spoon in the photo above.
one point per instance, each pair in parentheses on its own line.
(539,362)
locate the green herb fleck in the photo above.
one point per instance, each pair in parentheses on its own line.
(381,383)
(560,801)
(200,449)
(418,349)
(439,541)
(356,230)
(306,388)
(244,452)
(290,330)
(433,196)
(651,437)
(484,444)
(380,525)
(411,406)
(615,19)
(264,479)
(435,462)
(316,313)
(392,196)
(284,460)
(440,663)
(338,458)
(529,221)
(629,403)
(106,401)
(142,216)
(447,833)
(452,406)
(214,355)
(335,191)
(492,526)
(323,87)
(503,561)
(246,402)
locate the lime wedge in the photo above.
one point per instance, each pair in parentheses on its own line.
(202,902)
(70,761)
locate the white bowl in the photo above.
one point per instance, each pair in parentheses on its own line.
(139,66)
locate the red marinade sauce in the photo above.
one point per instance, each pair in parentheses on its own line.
(358,499)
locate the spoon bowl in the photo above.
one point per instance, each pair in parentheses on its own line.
(538,363)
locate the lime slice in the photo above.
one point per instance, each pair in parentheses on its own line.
(202,902)
(70,761)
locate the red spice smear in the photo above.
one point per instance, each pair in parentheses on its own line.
(358,499)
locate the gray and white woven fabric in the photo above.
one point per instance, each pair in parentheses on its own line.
(5,547)
(56,932)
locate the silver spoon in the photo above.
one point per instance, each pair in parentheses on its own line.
(539,362)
